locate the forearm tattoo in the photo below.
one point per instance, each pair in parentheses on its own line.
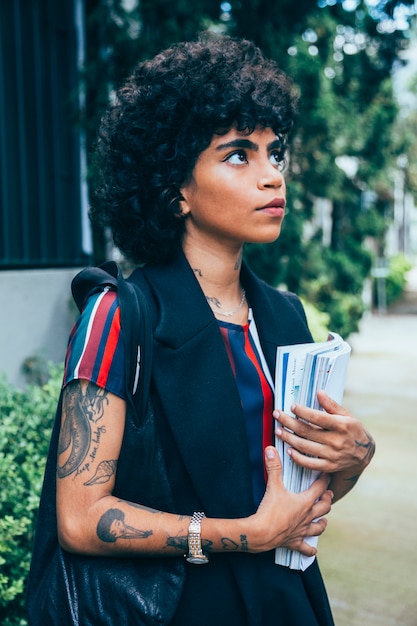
(81,434)
(353,479)
(178,543)
(112,526)
(368,446)
(229,545)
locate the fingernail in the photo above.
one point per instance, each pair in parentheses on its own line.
(270,453)
(278,432)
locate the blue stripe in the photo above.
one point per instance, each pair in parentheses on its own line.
(116,379)
(77,340)
(116,376)
(251,395)
(103,341)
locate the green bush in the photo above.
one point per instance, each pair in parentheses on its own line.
(25,426)
(344,309)
(397,277)
(318,321)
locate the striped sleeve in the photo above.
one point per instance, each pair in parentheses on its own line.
(96,348)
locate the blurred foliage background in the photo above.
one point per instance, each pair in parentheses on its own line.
(348,138)
(25,430)
(350,142)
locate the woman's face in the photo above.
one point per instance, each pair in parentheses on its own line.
(237,192)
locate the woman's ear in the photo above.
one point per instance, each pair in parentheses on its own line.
(184,205)
(184,210)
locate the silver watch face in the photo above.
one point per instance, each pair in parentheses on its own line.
(197,559)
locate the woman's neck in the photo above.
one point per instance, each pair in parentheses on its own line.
(218,273)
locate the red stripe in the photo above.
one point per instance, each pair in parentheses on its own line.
(226,340)
(100,319)
(267,430)
(111,345)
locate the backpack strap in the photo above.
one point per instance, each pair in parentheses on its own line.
(136,324)
(93,279)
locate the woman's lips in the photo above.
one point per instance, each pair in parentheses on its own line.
(275,207)
(274,211)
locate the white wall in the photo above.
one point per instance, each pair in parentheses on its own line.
(36,316)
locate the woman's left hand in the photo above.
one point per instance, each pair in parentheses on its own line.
(329,440)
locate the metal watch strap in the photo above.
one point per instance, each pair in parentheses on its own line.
(195,552)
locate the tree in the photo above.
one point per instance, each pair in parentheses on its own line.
(342,62)
(341,55)
(118,36)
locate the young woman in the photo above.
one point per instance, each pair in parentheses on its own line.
(191,155)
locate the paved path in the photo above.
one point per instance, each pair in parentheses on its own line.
(369,551)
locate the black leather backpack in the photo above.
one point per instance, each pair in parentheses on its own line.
(66,589)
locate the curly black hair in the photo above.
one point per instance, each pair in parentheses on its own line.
(163,117)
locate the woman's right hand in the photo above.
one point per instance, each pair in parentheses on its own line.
(284,518)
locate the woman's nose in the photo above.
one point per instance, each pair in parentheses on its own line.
(271,176)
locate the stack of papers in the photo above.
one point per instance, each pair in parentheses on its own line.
(301,371)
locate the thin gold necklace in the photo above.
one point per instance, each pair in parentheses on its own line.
(218,306)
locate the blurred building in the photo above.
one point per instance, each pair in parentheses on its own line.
(44,234)
(44,230)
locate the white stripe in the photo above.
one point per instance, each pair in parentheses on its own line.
(254,332)
(135,382)
(89,328)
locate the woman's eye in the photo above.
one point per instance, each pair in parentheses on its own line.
(278,160)
(236,158)
(275,158)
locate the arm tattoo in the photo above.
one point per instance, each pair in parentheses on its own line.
(82,411)
(198,271)
(229,545)
(244,543)
(206,544)
(105,470)
(369,446)
(112,526)
(179,543)
(353,479)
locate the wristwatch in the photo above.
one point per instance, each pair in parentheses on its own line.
(195,552)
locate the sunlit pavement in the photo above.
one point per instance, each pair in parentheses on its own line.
(369,554)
